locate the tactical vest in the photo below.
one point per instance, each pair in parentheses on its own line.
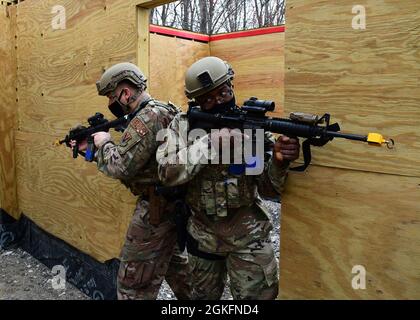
(214,190)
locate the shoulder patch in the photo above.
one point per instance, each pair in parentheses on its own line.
(139,126)
(126,137)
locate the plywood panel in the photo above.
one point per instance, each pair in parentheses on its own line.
(258,62)
(359,205)
(334,219)
(70,198)
(368,80)
(170,58)
(58,68)
(8,110)
(56,89)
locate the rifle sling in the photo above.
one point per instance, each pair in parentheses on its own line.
(307,157)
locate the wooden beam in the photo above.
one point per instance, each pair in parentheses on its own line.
(152,3)
(8,107)
(143,40)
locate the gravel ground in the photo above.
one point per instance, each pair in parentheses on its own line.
(22,277)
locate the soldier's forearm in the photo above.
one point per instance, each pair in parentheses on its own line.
(110,162)
(277,174)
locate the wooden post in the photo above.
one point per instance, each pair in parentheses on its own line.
(143,40)
(8,107)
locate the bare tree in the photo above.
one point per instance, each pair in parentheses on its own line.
(186,11)
(216,16)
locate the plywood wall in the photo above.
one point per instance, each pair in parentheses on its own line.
(56,89)
(258,62)
(357,205)
(170,58)
(8,111)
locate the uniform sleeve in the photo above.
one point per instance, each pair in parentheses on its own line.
(179,159)
(138,145)
(271,181)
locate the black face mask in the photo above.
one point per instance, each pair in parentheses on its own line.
(223,107)
(117,108)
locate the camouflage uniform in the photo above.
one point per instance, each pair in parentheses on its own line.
(228,219)
(150,252)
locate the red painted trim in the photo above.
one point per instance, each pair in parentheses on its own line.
(179,33)
(206,38)
(247,33)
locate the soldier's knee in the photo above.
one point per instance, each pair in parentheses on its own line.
(254,280)
(138,279)
(208,278)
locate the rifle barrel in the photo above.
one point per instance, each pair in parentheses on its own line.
(348,136)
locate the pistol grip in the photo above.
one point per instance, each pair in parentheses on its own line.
(75,151)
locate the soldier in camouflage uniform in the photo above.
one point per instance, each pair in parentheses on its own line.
(229,226)
(150,253)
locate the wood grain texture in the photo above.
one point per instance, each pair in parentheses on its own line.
(258,63)
(334,219)
(56,86)
(368,80)
(8,111)
(58,68)
(357,205)
(70,198)
(56,80)
(143,40)
(170,57)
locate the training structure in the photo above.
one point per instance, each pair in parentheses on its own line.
(48,85)
(356,205)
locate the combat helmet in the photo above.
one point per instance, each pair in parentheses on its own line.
(205,75)
(117,73)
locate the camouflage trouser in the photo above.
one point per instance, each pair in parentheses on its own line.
(151,254)
(249,258)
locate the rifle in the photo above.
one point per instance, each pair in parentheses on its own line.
(97,123)
(252,115)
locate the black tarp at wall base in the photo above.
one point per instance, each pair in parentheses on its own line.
(95,279)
